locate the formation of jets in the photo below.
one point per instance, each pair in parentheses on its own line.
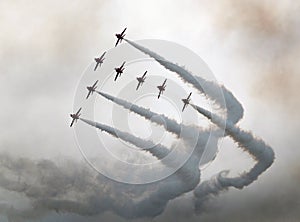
(119,71)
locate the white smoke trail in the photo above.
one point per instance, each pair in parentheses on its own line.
(160,119)
(261,152)
(192,136)
(182,131)
(192,164)
(258,149)
(212,90)
(168,189)
(157,150)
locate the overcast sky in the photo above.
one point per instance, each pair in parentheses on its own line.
(252,47)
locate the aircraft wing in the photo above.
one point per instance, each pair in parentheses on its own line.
(95,84)
(123,31)
(164,82)
(102,56)
(159,94)
(96,66)
(144,75)
(138,86)
(116,76)
(78,111)
(72,122)
(88,94)
(189,96)
(122,65)
(184,107)
(117,42)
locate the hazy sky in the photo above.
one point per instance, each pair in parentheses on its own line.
(252,47)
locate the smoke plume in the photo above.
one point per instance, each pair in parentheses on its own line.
(258,149)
